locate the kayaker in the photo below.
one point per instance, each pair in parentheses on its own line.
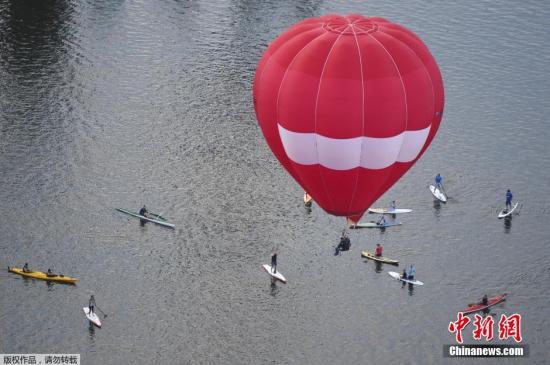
(381,221)
(484,300)
(438,181)
(411,272)
(379,250)
(274,262)
(143,211)
(509,197)
(50,273)
(26,267)
(91,304)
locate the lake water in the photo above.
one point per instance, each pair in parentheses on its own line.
(108,104)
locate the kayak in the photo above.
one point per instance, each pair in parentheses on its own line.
(368,255)
(371,224)
(479,307)
(43,276)
(276,275)
(92,317)
(155,216)
(397,276)
(157,221)
(506,213)
(389,210)
(438,194)
(307,199)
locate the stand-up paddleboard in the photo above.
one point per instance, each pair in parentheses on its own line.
(438,194)
(397,276)
(372,225)
(276,275)
(92,317)
(307,199)
(389,210)
(479,307)
(368,255)
(506,213)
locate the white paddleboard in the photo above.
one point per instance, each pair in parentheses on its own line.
(276,275)
(397,276)
(506,213)
(373,225)
(92,317)
(389,210)
(438,193)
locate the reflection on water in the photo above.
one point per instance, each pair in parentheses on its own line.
(378,266)
(507,224)
(274,288)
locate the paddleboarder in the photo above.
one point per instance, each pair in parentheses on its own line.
(404,274)
(378,251)
(382,221)
(509,197)
(91,304)
(274,263)
(411,272)
(438,181)
(392,205)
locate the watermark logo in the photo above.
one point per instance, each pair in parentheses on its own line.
(509,327)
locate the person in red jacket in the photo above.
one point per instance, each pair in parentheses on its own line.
(379,250)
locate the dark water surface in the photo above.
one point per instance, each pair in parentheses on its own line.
(108,104)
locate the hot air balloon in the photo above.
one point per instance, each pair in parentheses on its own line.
(348,104)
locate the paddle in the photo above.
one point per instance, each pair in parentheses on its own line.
(105,315)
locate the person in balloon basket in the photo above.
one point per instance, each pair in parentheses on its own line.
(345,242)
(378,251)
(509,197)
(438,181)
(274,263)
(411,273)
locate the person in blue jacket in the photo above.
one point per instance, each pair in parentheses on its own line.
(411,273)
(438,181)
(509,197)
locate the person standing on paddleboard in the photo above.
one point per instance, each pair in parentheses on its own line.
(411,273)
(274,262)
(509,197)
(438,181)
(379,250)
(143,211)
(91,304)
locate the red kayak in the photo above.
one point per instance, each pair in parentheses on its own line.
(479,307)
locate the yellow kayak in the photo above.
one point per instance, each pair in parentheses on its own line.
(43,276)
(383,259)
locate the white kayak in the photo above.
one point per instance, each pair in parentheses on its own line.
(157,221)
(506,213)
(389,210)
(397,276)
(92,317)
(438,194)
(372,225)
(276,275)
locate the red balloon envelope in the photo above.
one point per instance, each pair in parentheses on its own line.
(348,105)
